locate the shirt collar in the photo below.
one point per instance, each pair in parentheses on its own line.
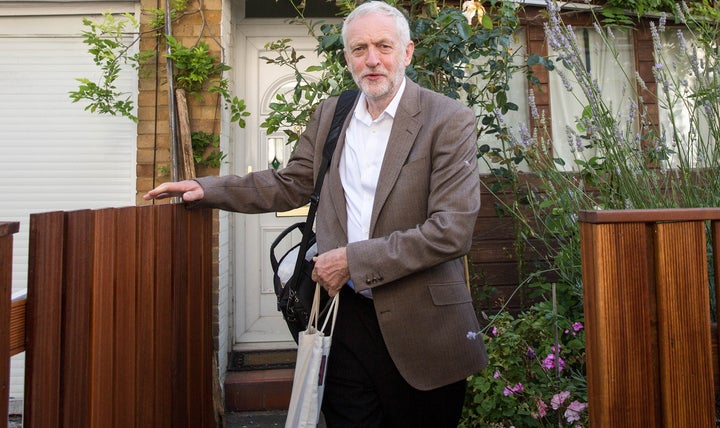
(362,114)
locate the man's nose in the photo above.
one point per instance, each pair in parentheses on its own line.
(373,59)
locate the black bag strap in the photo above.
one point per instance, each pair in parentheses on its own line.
(344,104)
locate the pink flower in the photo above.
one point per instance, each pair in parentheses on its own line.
(552,361)
(576,327)
(496,374)
(558,399)
(541,409)
(510,390)
(572,413)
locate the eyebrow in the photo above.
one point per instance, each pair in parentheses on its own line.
(383,41)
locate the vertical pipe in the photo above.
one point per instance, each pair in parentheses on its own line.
(171,97)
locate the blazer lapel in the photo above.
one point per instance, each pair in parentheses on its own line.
(402,137)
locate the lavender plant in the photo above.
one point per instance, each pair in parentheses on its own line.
(624,158)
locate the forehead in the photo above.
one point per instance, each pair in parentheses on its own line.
(371,28)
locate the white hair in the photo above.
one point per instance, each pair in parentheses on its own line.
(380,7)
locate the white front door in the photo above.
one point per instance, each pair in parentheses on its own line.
(257,322)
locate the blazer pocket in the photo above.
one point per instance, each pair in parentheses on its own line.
(449,293)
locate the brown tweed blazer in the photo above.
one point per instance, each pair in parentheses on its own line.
(424,213)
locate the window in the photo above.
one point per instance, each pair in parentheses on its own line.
(607,65)
(681,70)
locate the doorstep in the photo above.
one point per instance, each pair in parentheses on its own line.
(258,390)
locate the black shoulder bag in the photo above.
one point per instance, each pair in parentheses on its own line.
(295,294)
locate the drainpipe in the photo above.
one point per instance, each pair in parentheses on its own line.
(174,149)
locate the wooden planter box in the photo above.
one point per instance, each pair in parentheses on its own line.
(647,316)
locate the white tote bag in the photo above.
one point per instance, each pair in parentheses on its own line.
(310,367)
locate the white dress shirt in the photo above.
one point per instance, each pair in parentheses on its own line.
(365,143)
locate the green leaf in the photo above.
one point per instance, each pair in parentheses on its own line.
(486,22)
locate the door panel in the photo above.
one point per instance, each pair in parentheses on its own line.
(257,322)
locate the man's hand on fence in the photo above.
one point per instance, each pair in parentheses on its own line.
(188,190)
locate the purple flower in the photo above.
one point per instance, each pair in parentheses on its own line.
(496,374)
(471,335)
(530,353)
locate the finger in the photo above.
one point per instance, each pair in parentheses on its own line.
(188,196)
(193,195)
(163,195)
(160,192)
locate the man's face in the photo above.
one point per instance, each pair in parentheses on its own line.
(375,57)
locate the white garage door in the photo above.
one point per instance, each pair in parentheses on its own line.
(53,154)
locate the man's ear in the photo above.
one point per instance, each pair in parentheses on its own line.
(409,49)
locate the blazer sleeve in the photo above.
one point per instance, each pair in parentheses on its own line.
(270,190)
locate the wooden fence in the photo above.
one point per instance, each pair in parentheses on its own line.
(119,319)
(6,249)
(647,315)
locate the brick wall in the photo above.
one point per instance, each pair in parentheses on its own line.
(154,155)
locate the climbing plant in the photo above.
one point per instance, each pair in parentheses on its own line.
(197,70)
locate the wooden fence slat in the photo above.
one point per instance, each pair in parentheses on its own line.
(77,301)
(103,318)
(43,320)
(146,327)
(200,325)
(163,248)
(5,295)
(683,324)
(125,375)
(182,395)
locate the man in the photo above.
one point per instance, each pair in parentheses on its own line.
(396,215)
